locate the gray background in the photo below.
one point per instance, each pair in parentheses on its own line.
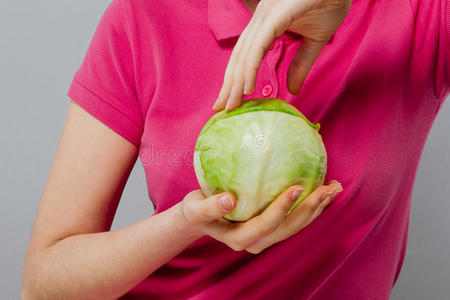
(42,43)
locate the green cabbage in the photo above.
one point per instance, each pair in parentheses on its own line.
(256,152)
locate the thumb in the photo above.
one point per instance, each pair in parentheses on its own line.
(302,63)
(208,209)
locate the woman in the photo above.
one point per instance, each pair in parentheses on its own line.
(150,76)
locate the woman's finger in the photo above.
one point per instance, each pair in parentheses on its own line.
(227,82)
(268,221)
(237,91)
(302,62)
(306,211)
(239,88)
(197,209)
(273,25)
(300,217)
(225,90)
(238,236)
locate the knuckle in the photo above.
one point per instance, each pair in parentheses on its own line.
(260,7)
(240,61)
(262,12)
(309,206)
(292,230)
(236,246)
(206,213)
(189,196)
(188,211)
(203,214)
(234,55)
(233,244)
(254,250)
(286,206)
(250,66)
(186,205)
(270,26)
(192,195)
(258,18)
(237,78)
(266,227)
(322,189)
(238,74)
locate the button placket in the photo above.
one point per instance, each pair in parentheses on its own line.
(271,86)
(267,90)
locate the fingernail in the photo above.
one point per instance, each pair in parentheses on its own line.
(245,89)
(297,192)
(215,103)
(226,203)
(326,195)
(340,188)
(227,107)
(338,191)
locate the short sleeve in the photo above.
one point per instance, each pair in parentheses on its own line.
(105,84)
(432,40)
(442,72)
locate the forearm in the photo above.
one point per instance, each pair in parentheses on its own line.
(106,265)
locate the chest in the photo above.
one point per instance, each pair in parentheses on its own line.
(356,90)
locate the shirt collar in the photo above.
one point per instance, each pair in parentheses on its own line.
(227,18)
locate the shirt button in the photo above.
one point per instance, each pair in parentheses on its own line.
(267,90)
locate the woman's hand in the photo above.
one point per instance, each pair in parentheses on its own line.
(315,20)
(273,225)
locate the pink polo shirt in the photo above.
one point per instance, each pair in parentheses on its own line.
(153,71)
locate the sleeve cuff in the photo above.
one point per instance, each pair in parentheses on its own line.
(105,112)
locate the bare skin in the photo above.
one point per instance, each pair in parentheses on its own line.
(315,20)
(72,253)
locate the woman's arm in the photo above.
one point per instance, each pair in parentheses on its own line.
(73,255)
(71,252)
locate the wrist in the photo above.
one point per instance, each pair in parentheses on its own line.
(182,224)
